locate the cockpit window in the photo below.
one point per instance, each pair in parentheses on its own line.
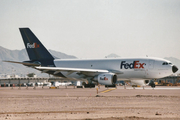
(165,63)
(170,63)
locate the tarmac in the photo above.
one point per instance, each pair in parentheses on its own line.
(121,103)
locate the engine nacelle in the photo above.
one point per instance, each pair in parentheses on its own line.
(106,79)
(140,82)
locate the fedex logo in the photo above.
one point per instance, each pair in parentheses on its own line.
(134,65)
(103,78)
(33,45)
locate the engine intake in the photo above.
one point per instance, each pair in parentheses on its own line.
(106,79)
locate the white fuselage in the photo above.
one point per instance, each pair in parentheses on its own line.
(131,68)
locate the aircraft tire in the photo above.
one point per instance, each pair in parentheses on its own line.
(153,85)
(89,86)
(79,87)
(110,86)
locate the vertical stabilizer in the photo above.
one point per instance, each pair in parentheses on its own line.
(35,49)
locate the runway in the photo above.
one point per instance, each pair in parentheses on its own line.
(82,104)
(156,88)
(108,90)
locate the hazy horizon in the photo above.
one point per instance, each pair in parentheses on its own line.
(97,28)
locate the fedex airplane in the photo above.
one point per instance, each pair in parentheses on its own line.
(104,71)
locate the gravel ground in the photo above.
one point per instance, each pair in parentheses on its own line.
(85,104)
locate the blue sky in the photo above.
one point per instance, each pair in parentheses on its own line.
(95,28)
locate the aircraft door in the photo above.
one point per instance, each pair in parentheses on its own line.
(149,70)
(151,64)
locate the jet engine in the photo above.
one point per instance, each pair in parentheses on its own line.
(140,82)
(106,79)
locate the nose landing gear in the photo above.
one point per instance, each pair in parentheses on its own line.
(152,84)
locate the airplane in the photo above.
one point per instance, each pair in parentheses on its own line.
(103,71)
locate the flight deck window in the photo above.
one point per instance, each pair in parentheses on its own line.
(165,63)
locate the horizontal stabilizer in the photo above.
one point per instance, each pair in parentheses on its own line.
(24,63)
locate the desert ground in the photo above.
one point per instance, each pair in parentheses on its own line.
(161,103)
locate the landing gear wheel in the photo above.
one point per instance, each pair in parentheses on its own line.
(153,85)
(110,86)
(89,85)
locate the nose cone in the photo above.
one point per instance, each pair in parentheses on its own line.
(174,69)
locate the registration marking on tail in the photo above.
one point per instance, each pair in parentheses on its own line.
(108,90)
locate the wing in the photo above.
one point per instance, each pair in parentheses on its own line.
(79,71)
(71,69)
